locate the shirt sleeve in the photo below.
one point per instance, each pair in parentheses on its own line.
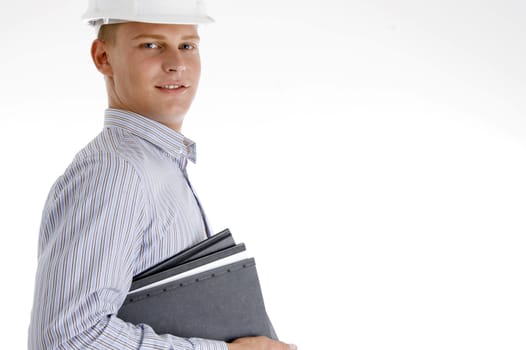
(91,234)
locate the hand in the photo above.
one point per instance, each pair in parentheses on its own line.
(259,343)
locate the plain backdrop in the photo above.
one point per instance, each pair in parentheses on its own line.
(370,153)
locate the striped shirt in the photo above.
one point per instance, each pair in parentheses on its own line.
(123,205)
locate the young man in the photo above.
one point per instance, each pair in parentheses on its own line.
(125,203)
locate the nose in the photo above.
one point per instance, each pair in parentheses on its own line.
(174,62)
(177,69)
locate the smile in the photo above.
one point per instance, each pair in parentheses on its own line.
(172,86)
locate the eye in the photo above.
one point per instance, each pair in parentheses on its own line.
(151,46)
(188,46)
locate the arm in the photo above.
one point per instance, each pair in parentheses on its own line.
(91,234)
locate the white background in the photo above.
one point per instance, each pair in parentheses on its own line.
(369,153)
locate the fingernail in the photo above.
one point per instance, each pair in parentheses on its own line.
(293,347)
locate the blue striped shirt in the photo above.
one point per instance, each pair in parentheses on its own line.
(123,205)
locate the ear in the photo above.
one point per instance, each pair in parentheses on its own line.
(99,55)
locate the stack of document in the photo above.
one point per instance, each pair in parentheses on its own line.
(210,290)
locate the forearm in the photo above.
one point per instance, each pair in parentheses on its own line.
(111,333)
(124,336)
(115,334)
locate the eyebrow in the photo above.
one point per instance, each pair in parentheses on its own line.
(162,37)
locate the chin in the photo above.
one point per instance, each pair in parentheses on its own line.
(170,119)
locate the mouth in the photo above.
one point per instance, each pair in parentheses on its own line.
(172,87)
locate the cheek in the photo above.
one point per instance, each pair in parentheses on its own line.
(136,76)
(196,70)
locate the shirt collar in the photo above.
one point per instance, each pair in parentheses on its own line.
(169,140)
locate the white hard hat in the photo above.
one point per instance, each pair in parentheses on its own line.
(102,12)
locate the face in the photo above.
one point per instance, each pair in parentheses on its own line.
(151,69)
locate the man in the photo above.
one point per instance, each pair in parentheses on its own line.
(125,203)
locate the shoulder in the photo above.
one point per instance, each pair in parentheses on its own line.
(99,186)
(113,143)
(109,163)
(117,149)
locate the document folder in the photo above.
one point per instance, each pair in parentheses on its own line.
(219,296)
(213,244)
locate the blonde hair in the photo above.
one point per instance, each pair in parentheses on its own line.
(107,33)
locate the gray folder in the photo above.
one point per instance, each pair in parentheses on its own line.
(213,244)
(224,303)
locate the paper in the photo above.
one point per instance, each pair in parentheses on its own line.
(215,264)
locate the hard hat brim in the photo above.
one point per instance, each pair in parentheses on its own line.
(101,20)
